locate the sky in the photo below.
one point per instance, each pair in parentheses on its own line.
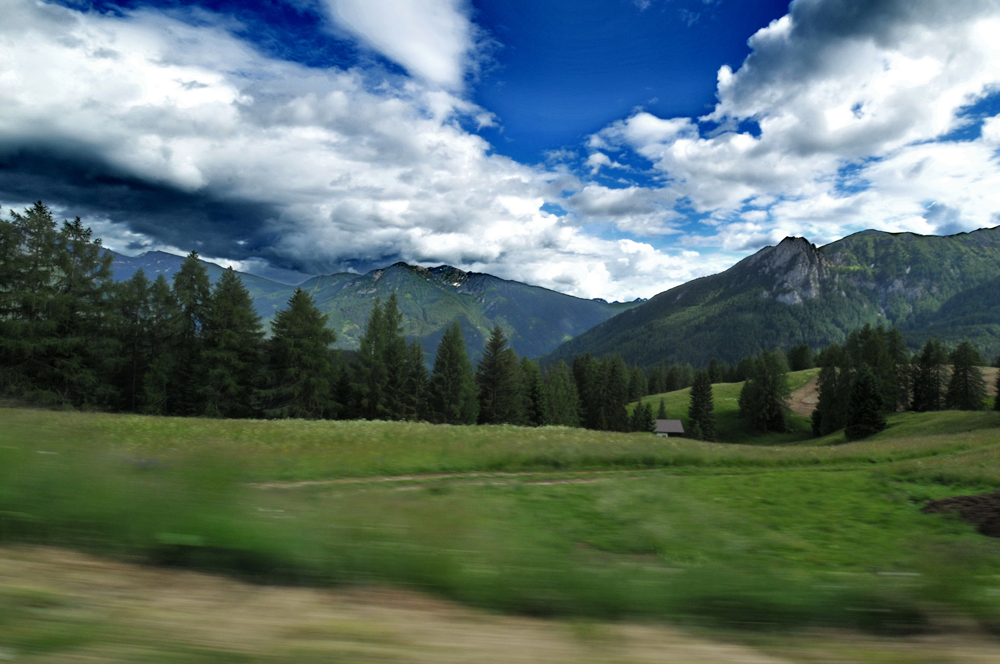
(602,148)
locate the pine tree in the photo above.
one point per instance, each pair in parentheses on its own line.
(637,384)
(131,305)
(966,388)
(661,413)
(763,401)
(866,409)
(382,363)
(301,372)
(642,418)
(451,396)
(561,398)
(536,397)
(897,396)
(614,396)
(702,408)
(929,377)
(163,312)
(416,383)
(233,352)
(500,382)
(586,375)
(192,290)
(714,372)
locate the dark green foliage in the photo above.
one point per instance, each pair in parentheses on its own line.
(233,350)
(55,339)
(416,384)
(382,358)
(502,394)
(763,401)
(614,396)
(929,377)
(163,311)
(834,394)
(587,375)
(300,362)
(661,413)
(701,411)
(866,408)
(192,292)
(715,374)
(642,418)
(536,397)
(637,384)
(451,395)
(562,400)
(800,358)
(966,387)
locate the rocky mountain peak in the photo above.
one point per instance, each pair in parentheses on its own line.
(795,269)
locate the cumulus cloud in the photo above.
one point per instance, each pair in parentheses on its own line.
(840,117)
(172,135)
(432,39)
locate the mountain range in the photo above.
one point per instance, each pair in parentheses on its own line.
(796,293)
(536,319)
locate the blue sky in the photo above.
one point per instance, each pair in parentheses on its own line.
(606,149)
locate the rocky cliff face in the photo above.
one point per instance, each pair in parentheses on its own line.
(792,272)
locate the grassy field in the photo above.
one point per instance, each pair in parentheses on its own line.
(549,522)
(728,426)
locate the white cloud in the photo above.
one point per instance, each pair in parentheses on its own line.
(871,87)
(347,172)
(432,39)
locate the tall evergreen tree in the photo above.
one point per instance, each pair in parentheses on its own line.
(763,401)
(966,387)
(800,357)
(561,397)
(701,409)
(163,313)
(501,383)
(929,377)
(233,350)
(714,372)
(661,413)
(586,374)
(382,363)
(897,394)
(866,410)
(416,384)
(300,363)
(642,418)
(637,383)
(451,396)
(536,397)
(131,305)
(614,396)
(192,291)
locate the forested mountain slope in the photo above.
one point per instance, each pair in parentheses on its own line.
(537,319)
(797,293)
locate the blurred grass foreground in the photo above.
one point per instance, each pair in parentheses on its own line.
(551,522)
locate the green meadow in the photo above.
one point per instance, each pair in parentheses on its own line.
(728,426)
(548,522)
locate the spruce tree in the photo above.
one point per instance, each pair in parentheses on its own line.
(714,372)
(642,418)
(586,375)
(966,388)
(929,377)
(536,406)
(416,384)
(163,311)
(763,401)
(897,394)
(131,306)
(451,395)
(233,353)
(561,398)
(614,395)
(866,409)
(661,413)
(637,383)
(501,383)
(301,372)
(382,363)
(192,290)
(702,407)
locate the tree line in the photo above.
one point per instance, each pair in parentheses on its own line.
(873,374)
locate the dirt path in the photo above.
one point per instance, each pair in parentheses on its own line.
(65,607)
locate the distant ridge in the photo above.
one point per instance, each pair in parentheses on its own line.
(537,319)
(797,293)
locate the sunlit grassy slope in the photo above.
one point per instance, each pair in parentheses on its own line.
(728,426)
(526,520)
